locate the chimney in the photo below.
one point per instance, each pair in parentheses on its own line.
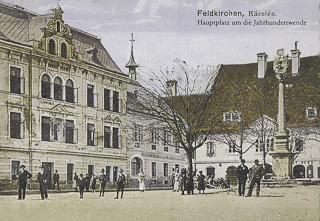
(172,88)
(262,64)
(295,59)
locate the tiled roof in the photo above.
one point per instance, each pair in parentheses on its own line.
(22,26)
(237,88)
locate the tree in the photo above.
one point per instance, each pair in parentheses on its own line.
(181,101)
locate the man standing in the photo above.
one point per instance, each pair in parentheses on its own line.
(56,178)
(22,180)
(120,183)
(87,182)
(242,176)
(43,181)
(256,174)
(102,180)
(94,182)
(201,182)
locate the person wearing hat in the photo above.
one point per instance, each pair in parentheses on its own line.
(141,178)
(242,176)
(81,185)
(256,174)
(43,182)
(56,178)
(103,181)
(23,176)
(201,182)
(120,183)
(94,182)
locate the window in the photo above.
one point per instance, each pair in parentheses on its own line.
(15,125)
(106,99)
(15,80)
(177,148)
(153,147)
(154,136)
(58,89)
(45,126)
(58,130)
(107,137)
(165,170)
(90,170)
(233,116)
(154,169)
(69,91)
(15,165)
(52,47)
(108,173)
(69,172)
(232,148)
(116,101)
(298,144)
(58,26)
(311,113)
(138,132)
(115,174)
(210,149)
(176,167)
(91,135)
(45,86)
(115,137)
(70,131)
(90,96)
(165,149)
(64,51)
(166,137)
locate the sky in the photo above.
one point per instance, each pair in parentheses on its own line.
(168,29)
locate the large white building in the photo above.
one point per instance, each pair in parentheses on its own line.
(62,100)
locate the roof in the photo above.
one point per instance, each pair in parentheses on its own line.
(238,88)
(25,27)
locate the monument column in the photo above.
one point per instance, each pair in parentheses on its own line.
(282,156)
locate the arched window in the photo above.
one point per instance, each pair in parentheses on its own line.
(69,91)
(58,88)
(58,26)
(52,46)
(136,164)
(64,50)
(45,86)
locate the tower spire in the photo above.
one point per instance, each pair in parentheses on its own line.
(132,65)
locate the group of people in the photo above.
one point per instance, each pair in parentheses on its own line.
(182,181)
(255,175)
(84,182)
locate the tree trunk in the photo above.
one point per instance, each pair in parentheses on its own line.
(190,167)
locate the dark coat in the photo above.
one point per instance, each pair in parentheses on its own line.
(103,179)
(56,177)
(257,172)
(42,178)
(242,172)
(201,182)
(23,177)
(121,180)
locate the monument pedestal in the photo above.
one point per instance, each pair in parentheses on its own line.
(282,158)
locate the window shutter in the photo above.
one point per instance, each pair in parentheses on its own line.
(23,86)
(75,97)
(75,135)
(95,99)
(95,138)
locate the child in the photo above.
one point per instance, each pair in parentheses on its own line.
(81,186)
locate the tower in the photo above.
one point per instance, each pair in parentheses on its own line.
(132,64)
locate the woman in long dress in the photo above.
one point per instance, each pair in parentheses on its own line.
(141,178)
(176,181)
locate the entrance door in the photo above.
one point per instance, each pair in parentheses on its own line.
(232,170)
(48,171)
(299,171)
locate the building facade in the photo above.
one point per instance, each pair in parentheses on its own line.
(247,95)
(62,100)
(151,147)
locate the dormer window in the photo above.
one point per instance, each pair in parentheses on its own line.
(52,47)
(232,116)
(64,50)
(311,113)
(58,26)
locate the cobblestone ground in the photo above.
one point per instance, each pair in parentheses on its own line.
(297,203)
